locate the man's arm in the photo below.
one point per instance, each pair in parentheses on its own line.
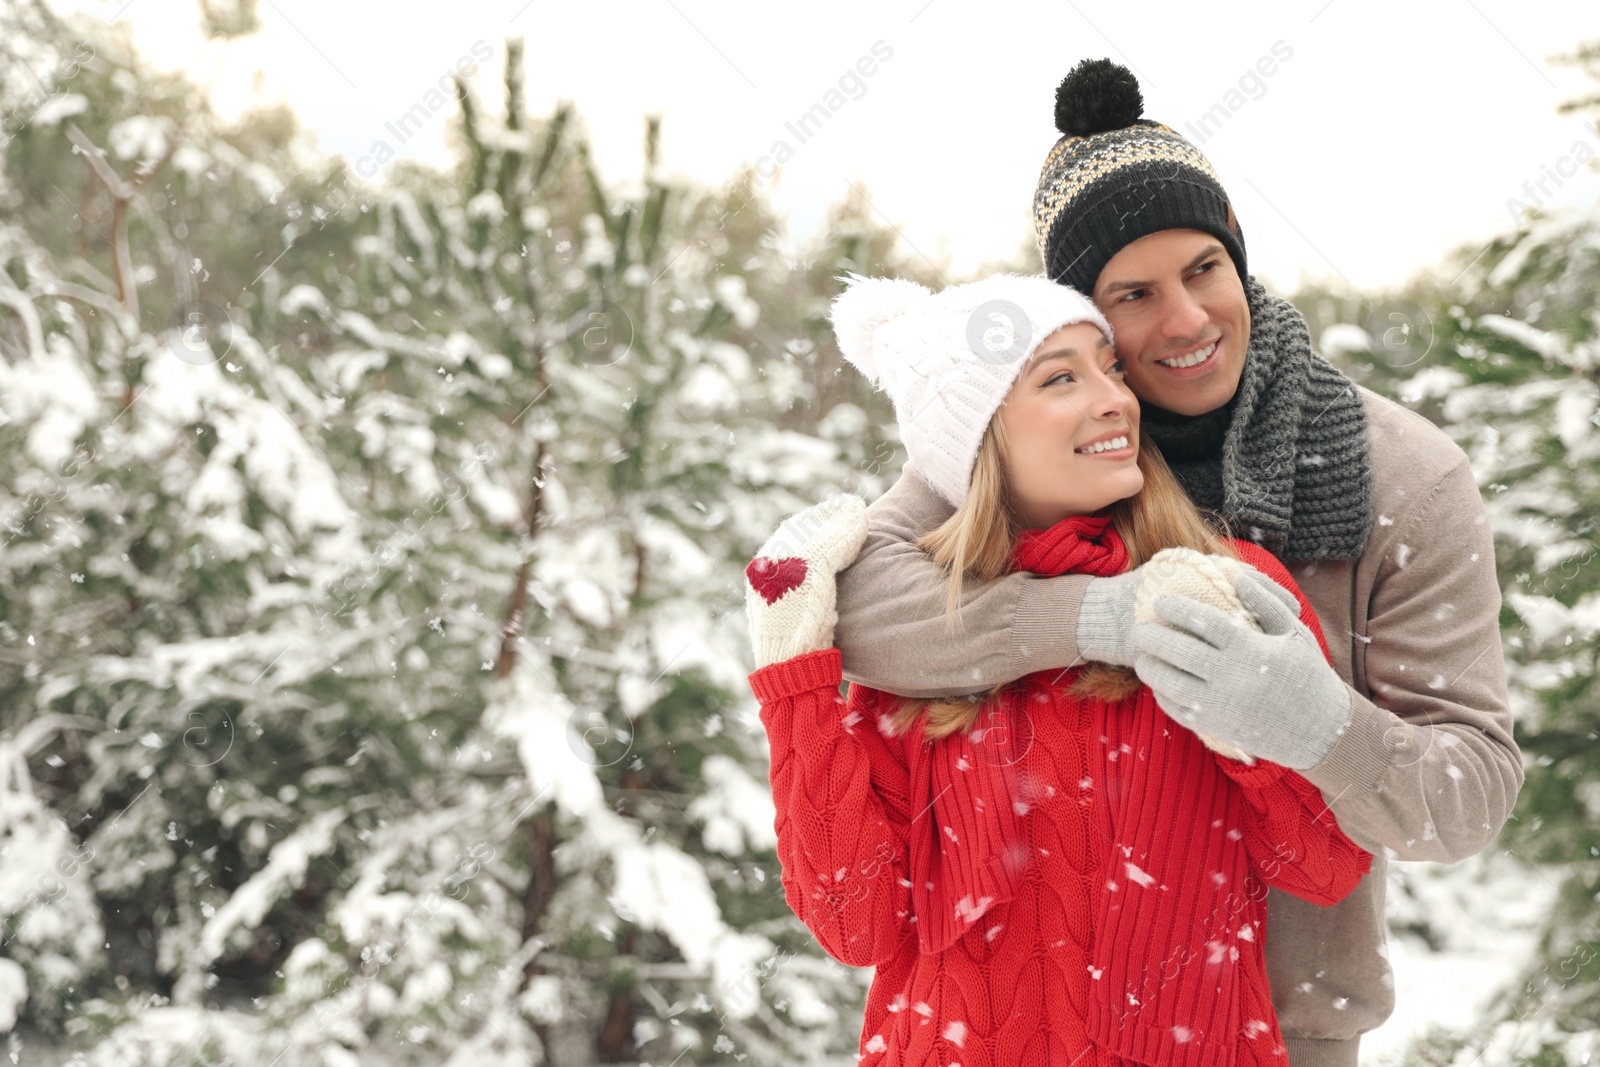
(892,629)
(1428,767)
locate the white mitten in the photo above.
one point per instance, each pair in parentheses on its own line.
(1208,579)
(789,599)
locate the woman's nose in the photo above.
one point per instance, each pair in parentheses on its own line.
(1110,397)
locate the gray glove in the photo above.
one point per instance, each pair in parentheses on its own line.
(1270,692)
(1106,615)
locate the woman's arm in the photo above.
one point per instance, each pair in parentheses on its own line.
(843,799)
(841,790)
(1294,841)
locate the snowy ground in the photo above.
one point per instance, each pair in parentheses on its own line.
(1485,910)
(1447,989)
(1488,909)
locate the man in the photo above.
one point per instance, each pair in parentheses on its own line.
(1374,510)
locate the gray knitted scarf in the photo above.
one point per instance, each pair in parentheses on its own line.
(1287,461)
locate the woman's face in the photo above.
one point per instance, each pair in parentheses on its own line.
(1072,430)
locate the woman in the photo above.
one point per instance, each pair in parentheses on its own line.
(1054,872)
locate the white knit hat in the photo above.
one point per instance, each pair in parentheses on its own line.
(948,359)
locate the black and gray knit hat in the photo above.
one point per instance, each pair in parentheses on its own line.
(1115,177)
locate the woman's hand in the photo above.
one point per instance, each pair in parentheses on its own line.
(789,596)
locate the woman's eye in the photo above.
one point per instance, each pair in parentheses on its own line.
(1065,375)
(1117,367)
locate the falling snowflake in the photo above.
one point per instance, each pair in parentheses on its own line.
(968,911)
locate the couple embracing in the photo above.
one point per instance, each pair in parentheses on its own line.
(1168,638)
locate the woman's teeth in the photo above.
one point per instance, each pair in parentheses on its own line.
(1104,446)
(1192,359)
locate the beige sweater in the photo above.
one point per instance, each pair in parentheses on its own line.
(1427,768)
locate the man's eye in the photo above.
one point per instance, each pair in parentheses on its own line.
(1129,295)
(1202,268)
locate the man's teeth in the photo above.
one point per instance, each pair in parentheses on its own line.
(1191,359)
(1105,446)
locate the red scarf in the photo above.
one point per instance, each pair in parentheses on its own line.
(1161,934)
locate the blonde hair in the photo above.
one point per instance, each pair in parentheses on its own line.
(980,537)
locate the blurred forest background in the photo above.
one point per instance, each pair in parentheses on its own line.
(372,647)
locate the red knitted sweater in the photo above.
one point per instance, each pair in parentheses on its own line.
(1043,963)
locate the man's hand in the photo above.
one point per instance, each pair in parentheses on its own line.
(1111,606)
(1271,693)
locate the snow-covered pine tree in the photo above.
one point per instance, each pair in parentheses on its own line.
(1506,359)
(370,619)
(1519,392)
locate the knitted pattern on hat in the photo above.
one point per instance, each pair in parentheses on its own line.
(1293,471)
(948,359)
(1115,177)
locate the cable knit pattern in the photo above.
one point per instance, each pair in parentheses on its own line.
(1116,944)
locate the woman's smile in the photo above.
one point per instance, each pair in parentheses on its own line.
(1116,445)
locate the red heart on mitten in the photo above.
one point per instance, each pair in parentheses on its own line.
(774,577)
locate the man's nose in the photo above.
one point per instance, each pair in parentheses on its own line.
(1182,316)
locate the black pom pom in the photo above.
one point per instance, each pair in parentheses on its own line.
(1097,95)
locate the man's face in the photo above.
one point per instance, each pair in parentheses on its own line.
(1170,297)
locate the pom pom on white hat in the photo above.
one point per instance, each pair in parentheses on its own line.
(948,359)
(865,305)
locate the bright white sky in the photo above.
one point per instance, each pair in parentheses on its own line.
(1395,132)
